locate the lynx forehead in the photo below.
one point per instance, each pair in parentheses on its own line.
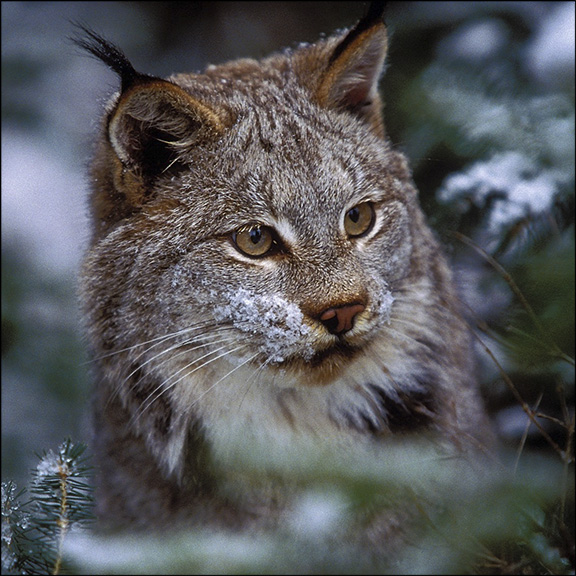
(260,277)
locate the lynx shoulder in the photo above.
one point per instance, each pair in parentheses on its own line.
(260,280)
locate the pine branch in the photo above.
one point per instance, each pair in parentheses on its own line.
(33,533)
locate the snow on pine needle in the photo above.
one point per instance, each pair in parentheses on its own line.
(60,499)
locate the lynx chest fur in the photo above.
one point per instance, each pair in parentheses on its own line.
(260,278)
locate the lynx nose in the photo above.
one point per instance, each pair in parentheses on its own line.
(340,319)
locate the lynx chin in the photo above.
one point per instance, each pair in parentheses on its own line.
(261,281)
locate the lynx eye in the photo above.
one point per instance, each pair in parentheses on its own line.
(254,240)
(359,219)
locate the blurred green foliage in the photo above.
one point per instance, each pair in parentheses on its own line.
(44,383)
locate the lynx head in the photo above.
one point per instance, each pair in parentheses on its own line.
(253,219)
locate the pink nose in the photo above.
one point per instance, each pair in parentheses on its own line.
(340,319)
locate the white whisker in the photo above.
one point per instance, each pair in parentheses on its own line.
(186,350)
(162,388)
(160,339)
(185,344)
(253,380)
(401,335)
(248,360)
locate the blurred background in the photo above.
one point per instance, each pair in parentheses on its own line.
(480,96)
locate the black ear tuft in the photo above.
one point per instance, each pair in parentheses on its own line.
(374,14)
(110,54)
(376,11)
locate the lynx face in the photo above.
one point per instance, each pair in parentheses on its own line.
(300,263)
(260,272)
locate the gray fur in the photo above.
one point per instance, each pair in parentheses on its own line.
(202,351)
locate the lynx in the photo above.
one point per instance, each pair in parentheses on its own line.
(261,280)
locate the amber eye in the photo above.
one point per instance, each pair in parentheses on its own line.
(254,240)
(359,219)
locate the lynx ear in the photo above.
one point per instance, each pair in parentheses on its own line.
(155,123)
(151,127)
(354,67)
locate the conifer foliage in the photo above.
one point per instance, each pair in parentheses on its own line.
(35,522)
